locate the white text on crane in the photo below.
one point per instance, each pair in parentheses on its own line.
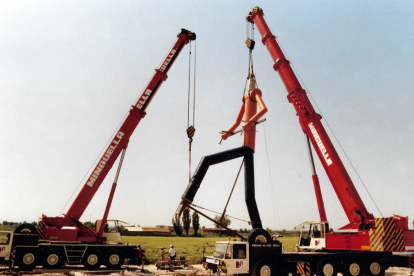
(105,158)
(167,60)
(320,144)
(144,97)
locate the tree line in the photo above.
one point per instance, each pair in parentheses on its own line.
(187,219)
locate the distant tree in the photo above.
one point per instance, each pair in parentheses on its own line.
(177,225)
(196,222)
(34,223)
(90,224)
(226,221)
(186,220)
(5,222)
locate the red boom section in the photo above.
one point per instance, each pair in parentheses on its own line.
(310,122)
(120,141)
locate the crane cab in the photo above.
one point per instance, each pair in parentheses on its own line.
(230,257)
(313,235)
(6,240)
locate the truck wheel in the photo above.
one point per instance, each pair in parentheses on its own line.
(27,260)
(115,259)
(326,267)
(213,268)
(375,268)
(26,228)
(259,236)
(262,268)
(352,268)
(92,259)
(52,259)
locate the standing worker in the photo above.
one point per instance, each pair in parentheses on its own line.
(172,253)
(162,254)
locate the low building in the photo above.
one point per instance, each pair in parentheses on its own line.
(145,231)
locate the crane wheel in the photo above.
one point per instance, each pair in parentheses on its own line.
(375,267)
(93,259)
(52,259)
(326,267)
(262,268)
(259,235)
(25,228)
(115,259)
(352,268)
(27,259)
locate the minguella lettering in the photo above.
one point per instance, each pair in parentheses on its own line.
(104,159)
(318,140)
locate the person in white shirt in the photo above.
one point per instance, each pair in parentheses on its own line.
(172,252)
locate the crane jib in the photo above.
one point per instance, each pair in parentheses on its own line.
(319,142)
(104,159)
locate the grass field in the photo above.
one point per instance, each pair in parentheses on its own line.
(189,247)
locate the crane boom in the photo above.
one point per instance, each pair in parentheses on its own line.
(310,122)
(121,138)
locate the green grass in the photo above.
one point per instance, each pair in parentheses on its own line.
(189,247)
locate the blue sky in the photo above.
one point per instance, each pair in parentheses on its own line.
(70,70)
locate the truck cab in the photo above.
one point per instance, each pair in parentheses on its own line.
(6,240)
(312,235)
(229,257)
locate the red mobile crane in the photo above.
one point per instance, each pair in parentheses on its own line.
(366,245)
(364,231)
(66,239)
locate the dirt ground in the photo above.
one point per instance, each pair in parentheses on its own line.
(193,270)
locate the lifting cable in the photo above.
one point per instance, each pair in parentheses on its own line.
(195,206)
(234,185)
(191,129)
(343,150)
(250,44)
(271,180)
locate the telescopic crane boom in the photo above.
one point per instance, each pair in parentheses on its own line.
(118,143)
(310,121)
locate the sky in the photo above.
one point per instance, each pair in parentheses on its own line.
(70,70)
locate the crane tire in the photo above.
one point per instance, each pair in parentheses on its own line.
(115,259)
(52,258)
(25,228)
(262,268)
(27,259)
(93,259)
(326,267)
(259,235)
(352,268)
(375,267)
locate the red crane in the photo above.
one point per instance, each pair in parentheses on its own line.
(368,228)
(52,226)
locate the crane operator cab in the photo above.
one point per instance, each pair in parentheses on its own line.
(230,256)
(312,235)
(5,245)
